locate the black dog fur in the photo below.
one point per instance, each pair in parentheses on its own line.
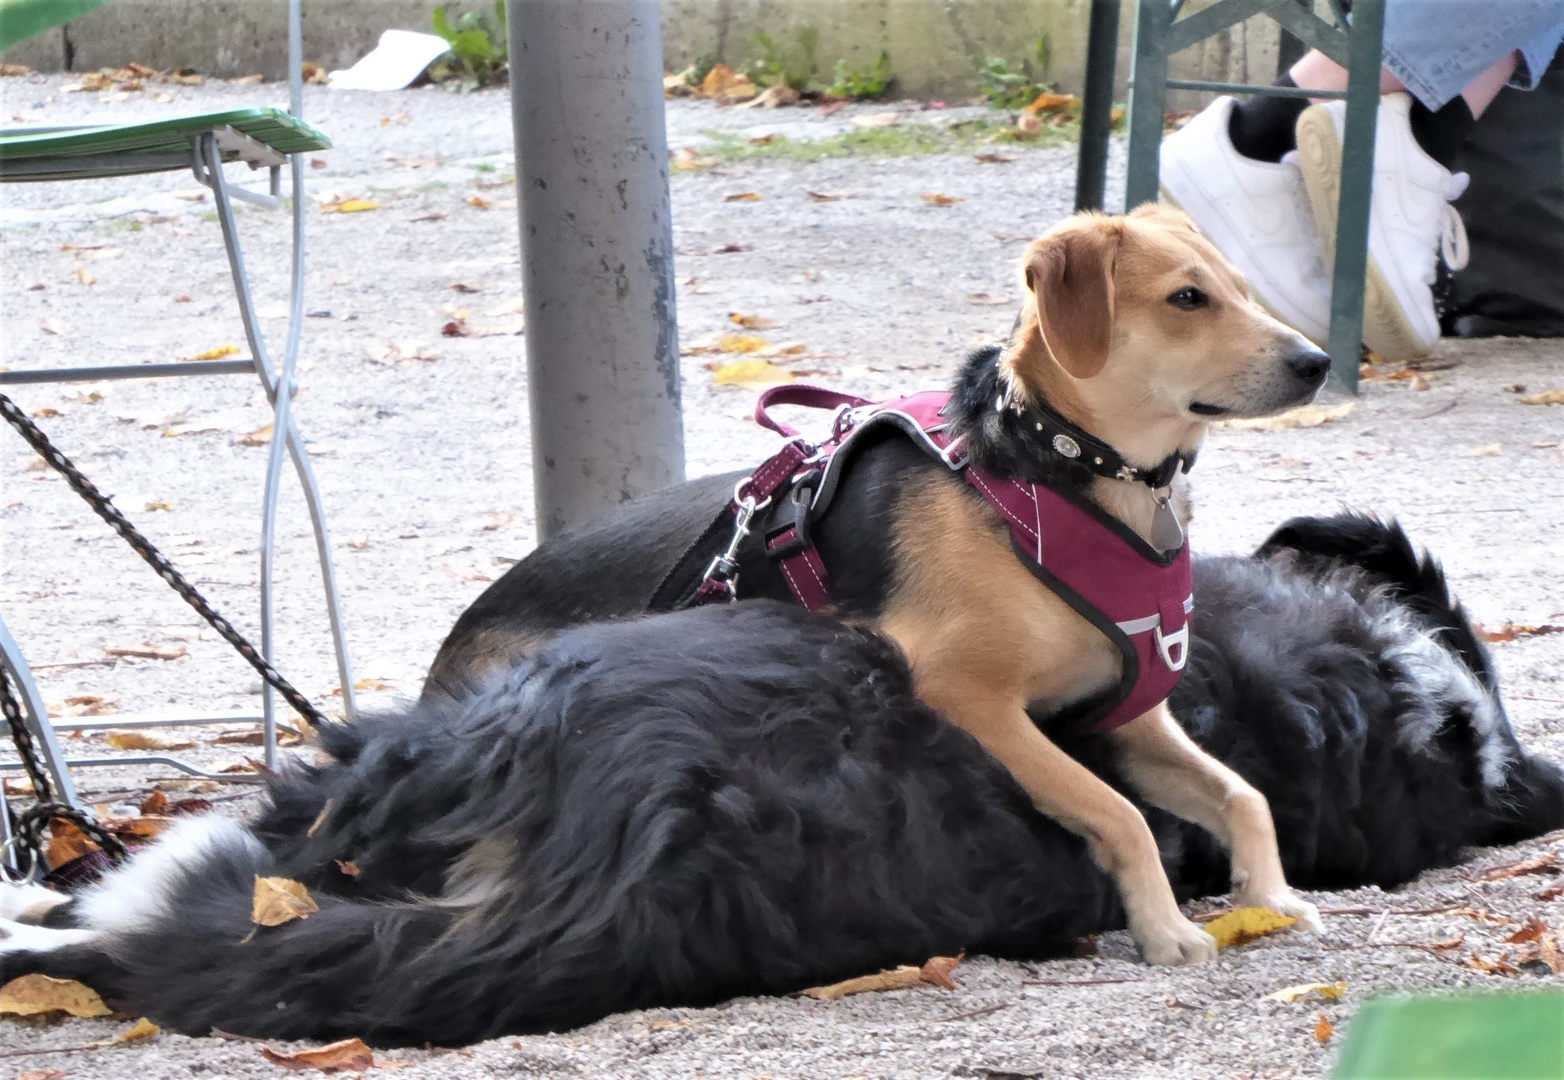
(748,799)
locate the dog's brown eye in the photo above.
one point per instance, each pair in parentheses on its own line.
(1189,298)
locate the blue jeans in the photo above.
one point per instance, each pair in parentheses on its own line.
(1437,47)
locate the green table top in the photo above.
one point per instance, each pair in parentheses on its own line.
(1456,1037)
(120,149)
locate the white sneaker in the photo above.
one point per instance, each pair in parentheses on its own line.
(1256,213)
(1411,221)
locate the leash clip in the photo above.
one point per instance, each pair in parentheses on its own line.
(722,573)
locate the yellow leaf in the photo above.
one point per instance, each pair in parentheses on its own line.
(34,995)
(45,413)
(279,900)
(146,651)
(479,201)
(1323,1029)
(1304,416)
(936,199)
(142,1029)
(742,196)
(214,354)
(686,159)
(127,739)
(750,322)
(84,277)
(160,504)
(1245,924)
(1290,994)
(741,343)
(1046,102)
(349,206)
(349,1055)
(259,437)
(751,375)
(1547,397)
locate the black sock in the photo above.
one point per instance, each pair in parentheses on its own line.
(1441,134)
(1262,127)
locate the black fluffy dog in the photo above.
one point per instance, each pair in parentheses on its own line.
(748,799)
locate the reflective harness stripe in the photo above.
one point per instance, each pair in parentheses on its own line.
(1093,562)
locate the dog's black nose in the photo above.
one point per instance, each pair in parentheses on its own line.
(1309,364)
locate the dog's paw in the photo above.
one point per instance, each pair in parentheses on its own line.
(1284,901)
(27,903)
(1174,943)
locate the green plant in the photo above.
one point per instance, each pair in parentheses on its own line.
(480,49)
(793,67)
(1012,86)
(856,85)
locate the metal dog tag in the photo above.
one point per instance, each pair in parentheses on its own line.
(1166,533)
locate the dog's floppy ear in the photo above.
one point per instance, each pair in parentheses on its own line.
(1070,275)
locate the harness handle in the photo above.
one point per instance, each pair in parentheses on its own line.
(809,397)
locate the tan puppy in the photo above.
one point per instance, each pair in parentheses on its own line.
(1139,331)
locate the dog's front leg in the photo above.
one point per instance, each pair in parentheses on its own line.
(1120,840)
(1163,764)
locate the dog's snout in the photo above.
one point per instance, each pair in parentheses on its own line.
(1309,364)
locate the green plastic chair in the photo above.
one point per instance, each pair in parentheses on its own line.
(262,138)
(1457,1037)
(1160,32)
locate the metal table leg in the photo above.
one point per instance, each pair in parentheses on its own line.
(1102,55)
(36,717)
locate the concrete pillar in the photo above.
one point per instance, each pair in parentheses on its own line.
(597,254)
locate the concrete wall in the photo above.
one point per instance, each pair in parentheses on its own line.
(935,46)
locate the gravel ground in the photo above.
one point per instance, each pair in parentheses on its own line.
(421,446)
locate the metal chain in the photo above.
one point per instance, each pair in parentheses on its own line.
(154,558)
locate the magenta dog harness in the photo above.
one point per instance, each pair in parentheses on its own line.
(1140,600)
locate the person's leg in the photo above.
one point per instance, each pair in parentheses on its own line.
(1316,71)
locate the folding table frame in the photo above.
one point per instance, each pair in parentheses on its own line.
(263,138)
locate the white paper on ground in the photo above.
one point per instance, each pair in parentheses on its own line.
(400,58)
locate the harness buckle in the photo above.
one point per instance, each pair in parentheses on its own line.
(787,531)
(1169,644)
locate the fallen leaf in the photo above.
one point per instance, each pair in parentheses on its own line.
(400,117)
(1547,397)
(239,767)
(84,277)
(259,437)
(1244,924)
(678,85)
(1047,102)
(725,86)
(1304,416)
(996,157)
(664,1025)
(1546,863)
(132,739)
(1323,1029)
(1532,930)
(45,413)
(824,196)
(893,979)
(936,199)
(1487,966)
(1545,950)
(349,1055)
(686,159)
(256,738)
(84,705)
(349,206)
(741,343)
(479,202)
(1510,631)
(214,354)
(730,249)
(937,971)
(349,867)
(19,786)
(763,140)
(1552,892)
(148,651)
(1448,945)
(155,803)
(66,843)
(463,287)
(1489,450)
(46,1074)
(751,375)
(1290,994)
(877,120)
(160,504)
(359,543)
(1028,126)
(773,97)
(142,1029)
(280,900)
(433,215)
(742,196)
(34,995)
(750,322)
